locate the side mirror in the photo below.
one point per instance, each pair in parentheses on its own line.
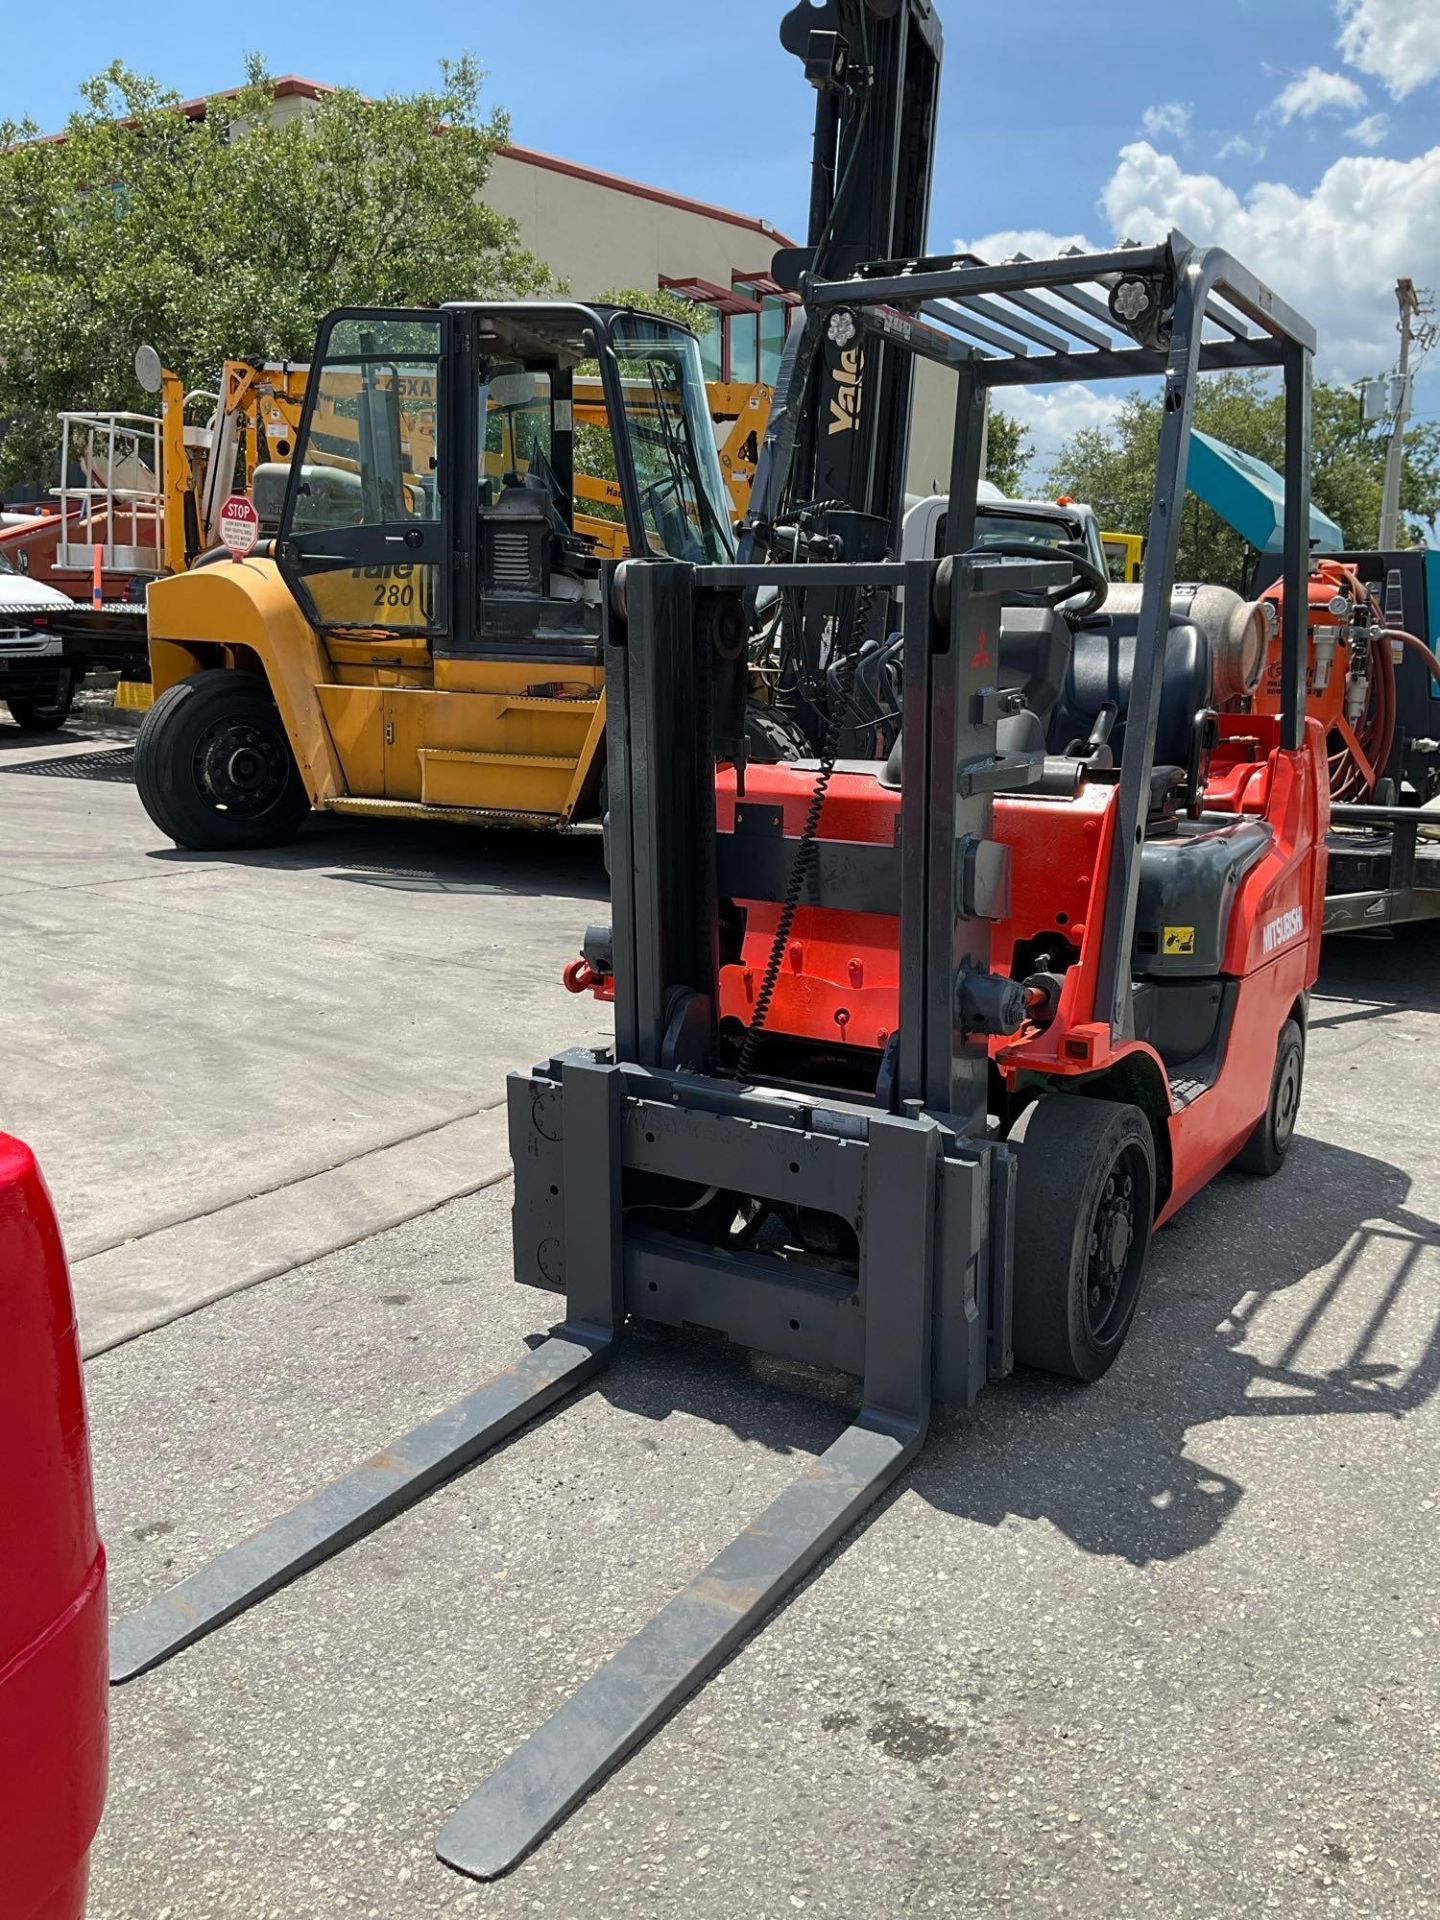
(148,370)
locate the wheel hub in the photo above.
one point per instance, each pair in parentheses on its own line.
(240,767)
(1111,1238)
(1287,1098)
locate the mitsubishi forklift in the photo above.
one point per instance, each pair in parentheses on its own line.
(914,1046)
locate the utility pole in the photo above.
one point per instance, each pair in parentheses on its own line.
(1409,304)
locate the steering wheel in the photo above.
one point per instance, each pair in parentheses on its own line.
(1085,576)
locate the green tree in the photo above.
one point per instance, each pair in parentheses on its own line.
(1114,468)
(230,235)
(594,448)
(1009,451)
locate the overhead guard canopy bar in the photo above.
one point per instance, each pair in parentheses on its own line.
(1022,324)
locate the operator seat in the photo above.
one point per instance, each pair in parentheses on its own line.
(1101,672)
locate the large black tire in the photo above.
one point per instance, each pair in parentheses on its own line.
(1084,1208)
(36,715)
(1264,1152)
(214,768)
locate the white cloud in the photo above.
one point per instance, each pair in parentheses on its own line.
(1051,414)
(1238,147)
(1048,414)
(1371,130)
(1396,40)
(1036,243)
(1316,91)
(1167,119)
(1334,253)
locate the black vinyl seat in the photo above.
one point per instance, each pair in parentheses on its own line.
(1101,672)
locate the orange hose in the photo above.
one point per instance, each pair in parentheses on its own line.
(1417,645)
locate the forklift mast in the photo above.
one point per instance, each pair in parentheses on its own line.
(875,65)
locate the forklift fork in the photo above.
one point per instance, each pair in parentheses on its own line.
(531,1792)
(427,1456)
(616,1710)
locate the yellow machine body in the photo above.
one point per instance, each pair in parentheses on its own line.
(377,726)
(1123,554)
(382,719)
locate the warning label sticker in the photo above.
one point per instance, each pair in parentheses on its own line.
(1178,940)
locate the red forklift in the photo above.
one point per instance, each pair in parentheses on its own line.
(918,1035)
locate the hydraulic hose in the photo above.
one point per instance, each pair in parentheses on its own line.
(1374,732)
(1416,645)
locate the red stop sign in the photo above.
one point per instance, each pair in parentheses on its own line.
(238,525)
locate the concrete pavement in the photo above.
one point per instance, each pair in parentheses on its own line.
(230,1064)
(1161,1647)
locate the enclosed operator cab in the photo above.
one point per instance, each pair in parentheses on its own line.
(422,633)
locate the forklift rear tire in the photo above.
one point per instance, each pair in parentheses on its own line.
(214,768)
(1264,1152)
(44,716)
(1084,1207)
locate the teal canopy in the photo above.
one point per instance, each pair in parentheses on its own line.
(1250,496)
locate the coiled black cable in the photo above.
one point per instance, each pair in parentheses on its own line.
(843,686)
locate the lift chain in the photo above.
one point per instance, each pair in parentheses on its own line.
(844,686)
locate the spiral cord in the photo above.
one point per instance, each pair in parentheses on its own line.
(800,866)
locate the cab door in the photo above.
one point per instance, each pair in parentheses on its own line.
(365,543)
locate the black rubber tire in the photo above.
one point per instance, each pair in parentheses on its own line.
(44,716)
(171,768)
(1070,1148)
(1264,1152)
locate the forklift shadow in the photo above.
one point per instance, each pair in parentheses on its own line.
(1327,1318)
(1265,1299)
(427,857)
(1352,987)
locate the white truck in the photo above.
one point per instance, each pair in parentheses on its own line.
(1001,520)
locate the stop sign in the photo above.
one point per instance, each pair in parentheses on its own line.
(238,525)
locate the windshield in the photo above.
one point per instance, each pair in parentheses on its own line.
(992,529)
(5,566)
(671,440)
(995,525)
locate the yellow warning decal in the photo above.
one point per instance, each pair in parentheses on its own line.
(1178,940)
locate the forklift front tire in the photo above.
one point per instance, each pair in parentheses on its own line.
(214,768)
(1264,1152)
(1084,1207)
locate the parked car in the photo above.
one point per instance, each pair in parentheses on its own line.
(54,1668)
(35,682)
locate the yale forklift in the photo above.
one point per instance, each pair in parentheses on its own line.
(912,1052)
(420,635)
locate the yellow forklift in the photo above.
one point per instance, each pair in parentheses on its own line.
(417,632)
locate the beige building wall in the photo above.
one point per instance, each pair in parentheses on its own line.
(932,429)
(599,235)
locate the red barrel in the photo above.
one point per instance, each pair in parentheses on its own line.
(53,1660)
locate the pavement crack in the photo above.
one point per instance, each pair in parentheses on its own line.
(169,1221)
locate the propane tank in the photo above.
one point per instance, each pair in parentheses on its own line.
(1240,632)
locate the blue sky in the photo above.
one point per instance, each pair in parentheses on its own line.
(1303,133)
